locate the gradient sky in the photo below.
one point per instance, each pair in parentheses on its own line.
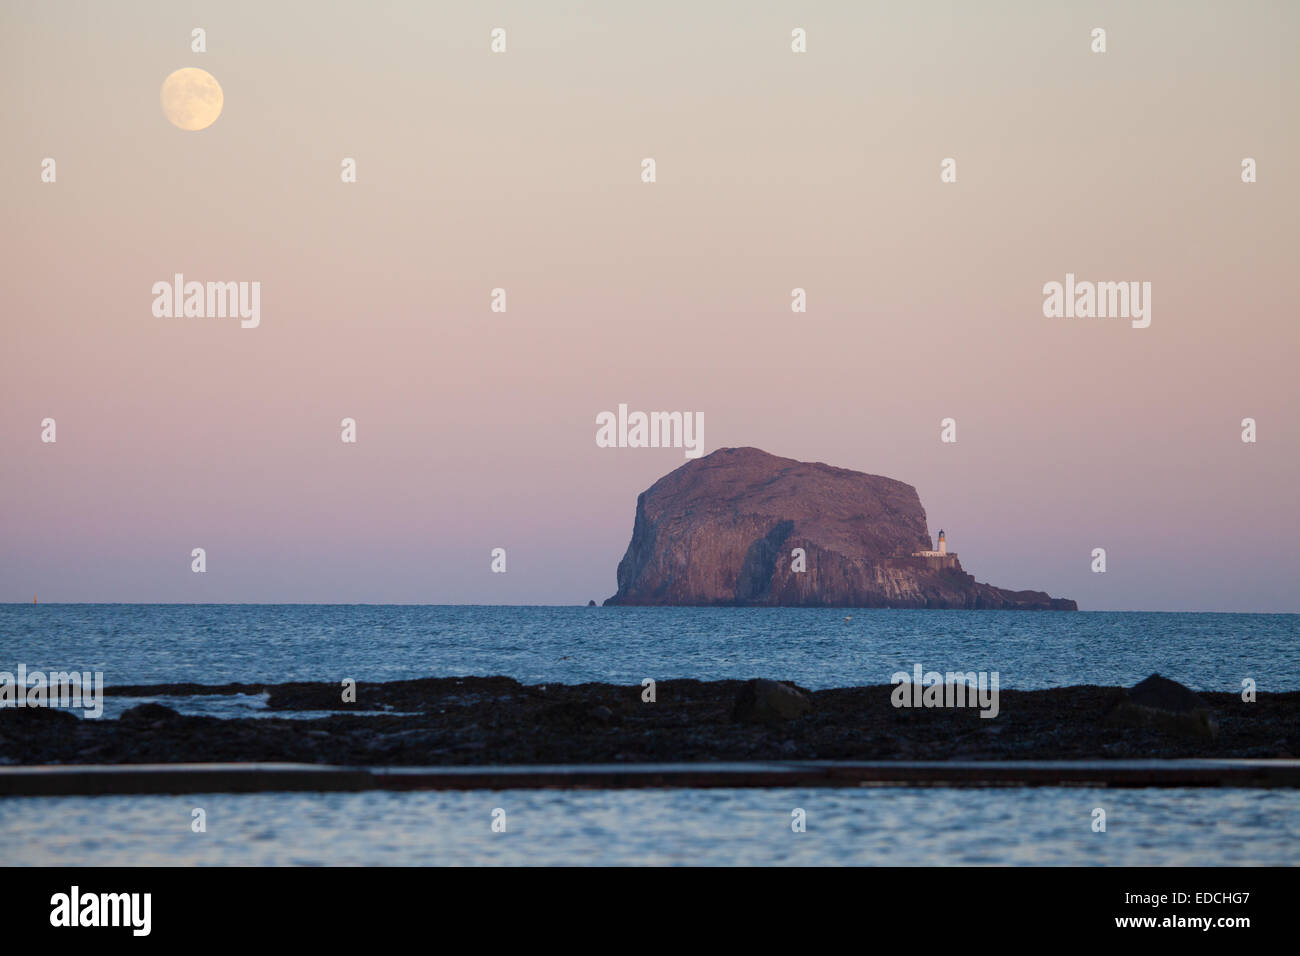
(775,170)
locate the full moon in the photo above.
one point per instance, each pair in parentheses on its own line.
(192,98)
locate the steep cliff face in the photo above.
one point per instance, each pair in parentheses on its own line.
(721,529)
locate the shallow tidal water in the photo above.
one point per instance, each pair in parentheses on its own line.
(868,826)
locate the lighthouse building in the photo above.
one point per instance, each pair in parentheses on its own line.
(941,553)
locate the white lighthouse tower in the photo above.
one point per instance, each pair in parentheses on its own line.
(942,552)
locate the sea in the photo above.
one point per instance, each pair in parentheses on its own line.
(816,648)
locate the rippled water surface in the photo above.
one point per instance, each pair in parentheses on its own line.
(876,826)
(817,648)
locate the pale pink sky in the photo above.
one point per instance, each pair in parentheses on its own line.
(775,170)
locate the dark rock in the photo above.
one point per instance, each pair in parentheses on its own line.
(148,714)
(769,701)
(1165,694)
(720,531)
(569,715)
(424,693)
(485,720)
(33,717)
(1159,703)
(591,604)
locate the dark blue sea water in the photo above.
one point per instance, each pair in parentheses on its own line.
(818,648)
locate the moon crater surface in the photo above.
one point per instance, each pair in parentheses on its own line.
(192,98)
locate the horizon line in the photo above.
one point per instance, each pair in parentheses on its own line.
(599,605)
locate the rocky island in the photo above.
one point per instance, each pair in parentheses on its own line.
(743,527)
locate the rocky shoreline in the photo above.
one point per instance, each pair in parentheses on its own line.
(497,720)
